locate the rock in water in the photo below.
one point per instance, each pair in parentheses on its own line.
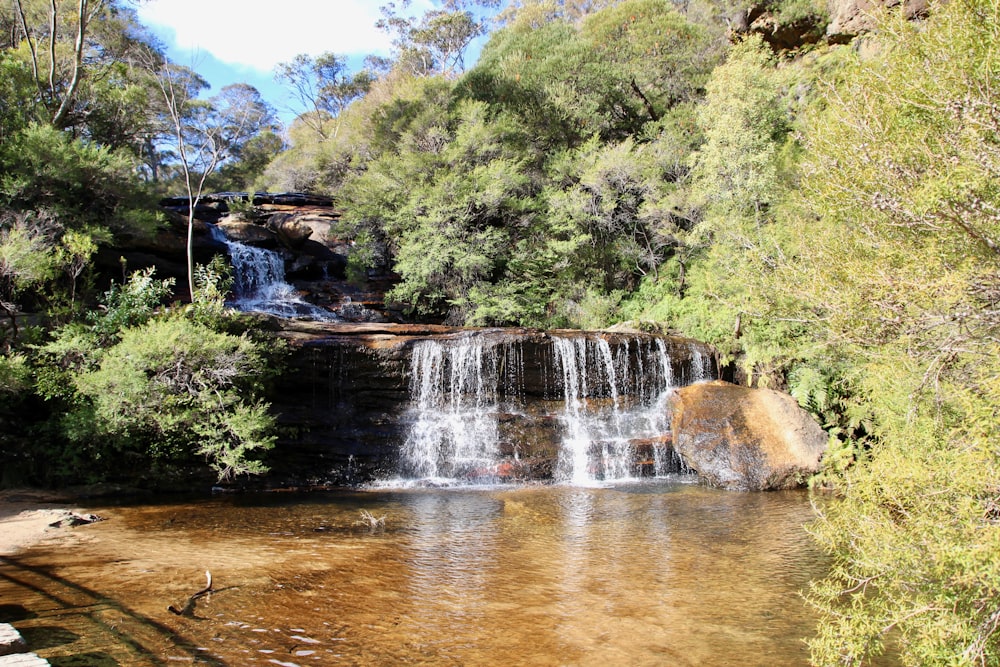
(11,640)
(746,439)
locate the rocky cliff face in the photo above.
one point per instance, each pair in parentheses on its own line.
(844,20)
(850,18)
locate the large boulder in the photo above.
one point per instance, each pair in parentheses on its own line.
(745,439)
(291,231)
(849,18)
(247,232)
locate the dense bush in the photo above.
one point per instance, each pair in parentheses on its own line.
(137,389)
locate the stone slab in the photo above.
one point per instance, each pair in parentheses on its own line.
(23,660)
(10,640)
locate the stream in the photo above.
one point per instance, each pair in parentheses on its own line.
(660,572)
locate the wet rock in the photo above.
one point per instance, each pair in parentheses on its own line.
(247,232)
(745,439)
(72,519)
(345,406)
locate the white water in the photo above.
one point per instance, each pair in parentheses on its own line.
(259,282)
(600,425)
(611,398)
(456,388)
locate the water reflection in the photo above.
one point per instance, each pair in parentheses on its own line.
(649,574)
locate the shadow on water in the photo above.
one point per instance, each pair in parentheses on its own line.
(90,611)
(48,636)
(12,613)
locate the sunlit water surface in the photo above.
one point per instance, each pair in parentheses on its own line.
(665,573)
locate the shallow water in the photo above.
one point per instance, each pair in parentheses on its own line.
(664,573)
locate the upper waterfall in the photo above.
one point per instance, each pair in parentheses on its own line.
(259,283)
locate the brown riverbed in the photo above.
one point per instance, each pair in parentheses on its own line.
(645,574)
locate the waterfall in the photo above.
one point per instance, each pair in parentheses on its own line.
(605,406)
(259,283)
(456,388)
(611,401)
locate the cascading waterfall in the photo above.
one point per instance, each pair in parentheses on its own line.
(612,400)
(456,387)
(608,406)
(259,282)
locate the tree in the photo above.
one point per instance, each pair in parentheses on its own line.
(26,260)
(58,82)
(74,69)
(324,86)
(436,42)
(135,387)
(897,255)
(744,121)
(661,59)
(206,133)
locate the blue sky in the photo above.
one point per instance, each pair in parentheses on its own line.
(228,42)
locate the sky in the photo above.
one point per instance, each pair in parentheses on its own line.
(228,42)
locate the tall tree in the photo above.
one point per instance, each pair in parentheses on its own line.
(206,133)
(58,79)
(435,43)
(324,86)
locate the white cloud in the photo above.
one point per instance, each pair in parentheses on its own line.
(267,34)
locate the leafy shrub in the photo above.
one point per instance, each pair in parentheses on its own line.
(177,385)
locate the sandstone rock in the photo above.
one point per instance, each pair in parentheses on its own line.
(319,224)
(849,18)
(345,404)
(745,439)
(11,640)
(291,232)
(247,232)
(778,33)
(787,36)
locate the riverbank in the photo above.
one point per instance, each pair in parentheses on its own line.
(26,518)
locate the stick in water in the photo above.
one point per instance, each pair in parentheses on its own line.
(188,609)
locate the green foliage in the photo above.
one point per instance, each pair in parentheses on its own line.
(743,121)
(80,183)
(175,385)
(139,388)
(447,201)
(41,264)
(899,262)
(129,305)
(213,283)
(245,171)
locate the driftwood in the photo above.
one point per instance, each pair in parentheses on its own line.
(188,609)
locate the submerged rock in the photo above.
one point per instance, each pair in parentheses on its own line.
(69,519)
(745,439)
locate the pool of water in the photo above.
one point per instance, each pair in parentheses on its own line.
(658,573)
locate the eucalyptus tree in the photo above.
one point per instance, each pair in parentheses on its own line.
(205,133)
(74,72)
(324,86)
(436,42)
